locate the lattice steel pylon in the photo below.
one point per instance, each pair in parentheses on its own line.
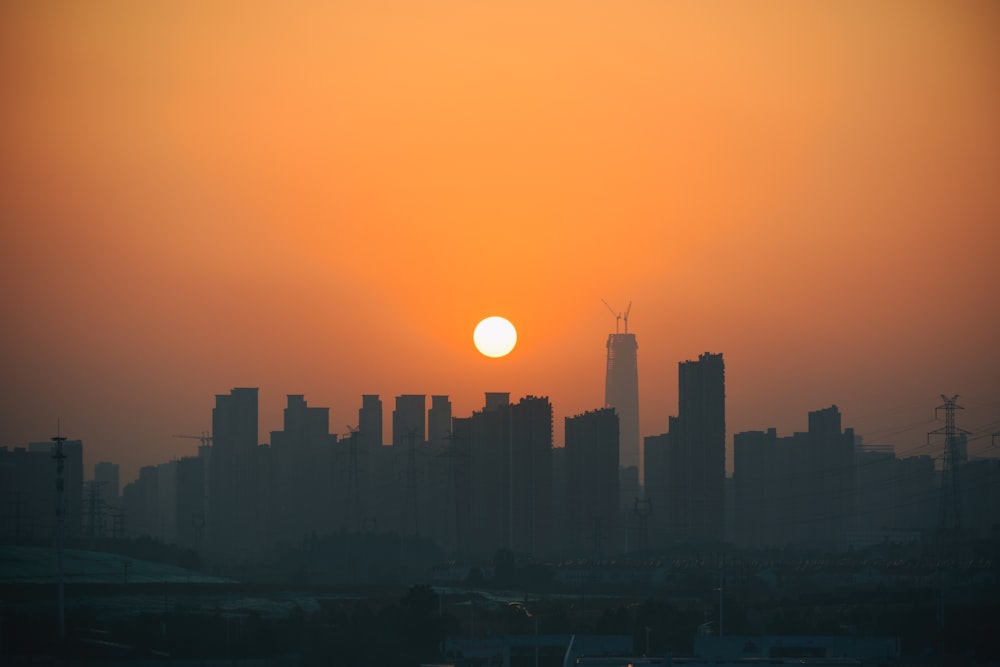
(951,509)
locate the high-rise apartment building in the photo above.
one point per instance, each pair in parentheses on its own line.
(232,521)
(439,420)
(531,476)
(592,481)
(621,392)
(697,496)
(409,418)
(370,422)
(372,458)
(300,473)
(800,489)
(28,483)
(657,451)
(510,471)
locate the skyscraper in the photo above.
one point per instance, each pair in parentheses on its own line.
(699,510)
(510,473)
(593,497)
(370,422)
(439,420)
(232,523)
(621,392)
(409,417)
(300,462)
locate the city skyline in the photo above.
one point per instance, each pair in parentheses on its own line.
(495,481)
(324,200)
(981,442)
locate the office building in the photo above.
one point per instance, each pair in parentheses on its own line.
(621,392)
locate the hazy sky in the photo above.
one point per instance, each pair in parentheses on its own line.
(325,197)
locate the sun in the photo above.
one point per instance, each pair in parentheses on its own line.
(495,337)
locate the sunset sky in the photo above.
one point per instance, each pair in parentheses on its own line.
(325,197)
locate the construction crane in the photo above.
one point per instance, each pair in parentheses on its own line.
(618,316)
(205,438)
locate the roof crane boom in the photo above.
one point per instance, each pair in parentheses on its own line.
(205,438)
(627,311)
(618,316)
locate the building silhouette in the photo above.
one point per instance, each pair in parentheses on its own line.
(233,506)
(686,477)
(531,476)
(190,501)
(621,392)
(370,421)
(805,489)
(409,419)
(701,438)
(659,467)
(72,485)
(593,497)
(300,470)
(140,502)
(438,420)
(106,474)
(510,472)
(371,457)
(28,488)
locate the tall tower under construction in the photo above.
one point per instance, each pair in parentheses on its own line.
(621,392)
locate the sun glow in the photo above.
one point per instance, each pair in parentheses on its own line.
(495,337)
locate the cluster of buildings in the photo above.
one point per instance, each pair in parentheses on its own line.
(493,480)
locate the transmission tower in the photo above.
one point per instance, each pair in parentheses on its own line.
(951,511)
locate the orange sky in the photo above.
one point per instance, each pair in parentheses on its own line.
(324,198)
